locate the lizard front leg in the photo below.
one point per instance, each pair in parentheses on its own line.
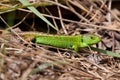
(76,48)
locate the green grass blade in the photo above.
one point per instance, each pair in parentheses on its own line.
(11,18)
(35,11)
(110,53)
(8,9)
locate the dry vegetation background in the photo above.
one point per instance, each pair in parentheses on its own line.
(28,61)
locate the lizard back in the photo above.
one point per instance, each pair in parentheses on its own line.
(58,41)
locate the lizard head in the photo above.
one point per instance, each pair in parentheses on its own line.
(88,40)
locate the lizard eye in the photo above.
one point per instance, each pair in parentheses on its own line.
(92,37)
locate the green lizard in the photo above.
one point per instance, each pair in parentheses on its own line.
(60,41)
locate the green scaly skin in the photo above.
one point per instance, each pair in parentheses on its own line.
(70,42)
